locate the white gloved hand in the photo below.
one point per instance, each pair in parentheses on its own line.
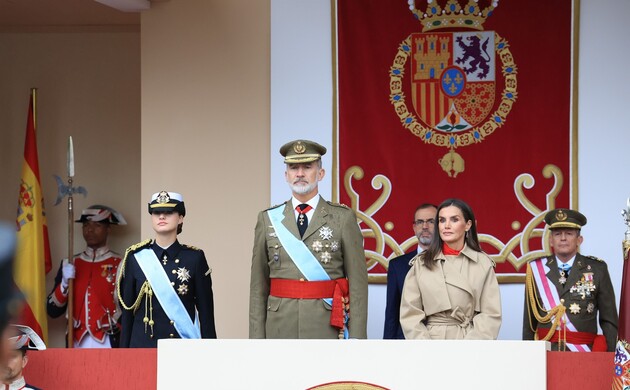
(67,272)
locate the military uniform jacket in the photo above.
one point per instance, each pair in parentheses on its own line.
(340,254)
(582,307)
(458,299)
(187,269)
(396,273)
(93,293)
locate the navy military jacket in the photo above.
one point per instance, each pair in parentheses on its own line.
(188,271)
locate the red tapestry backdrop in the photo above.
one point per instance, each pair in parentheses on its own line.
(469,100)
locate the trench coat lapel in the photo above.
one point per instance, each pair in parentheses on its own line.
(454,277)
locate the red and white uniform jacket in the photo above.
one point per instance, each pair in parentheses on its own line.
(93,291)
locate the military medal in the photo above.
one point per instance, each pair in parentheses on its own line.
(317,246)
(325,233)
(590,307)
(182,289)
(563,278)
(164,259)
(107,272)
(334,246)
(583,288)
(574,308)
(183,274)
(326,257)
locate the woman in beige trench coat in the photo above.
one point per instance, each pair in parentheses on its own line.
(451,291)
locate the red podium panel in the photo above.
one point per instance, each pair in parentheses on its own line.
(92,369)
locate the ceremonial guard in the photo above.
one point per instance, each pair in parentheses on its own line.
(164,284)
(94,270)
(565,292)
(308,277)
(21,339)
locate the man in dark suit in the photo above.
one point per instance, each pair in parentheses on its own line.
(424,228)
(565,292)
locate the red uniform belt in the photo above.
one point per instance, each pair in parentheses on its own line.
(300,289)
(574,338)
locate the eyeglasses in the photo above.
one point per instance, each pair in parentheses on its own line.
(420,222)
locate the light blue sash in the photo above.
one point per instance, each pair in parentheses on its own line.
(300,254)
(170,302)
(298,251)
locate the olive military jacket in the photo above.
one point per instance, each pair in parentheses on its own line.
(333,229)
(582,307)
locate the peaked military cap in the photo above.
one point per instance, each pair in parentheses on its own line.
(301,151)
(100,213)
(565,218)
(167,201)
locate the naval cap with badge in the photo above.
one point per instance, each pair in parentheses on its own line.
(565,219)
(167,201)
(101,213)
(302,151)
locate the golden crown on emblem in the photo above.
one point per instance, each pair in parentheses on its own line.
(452,14)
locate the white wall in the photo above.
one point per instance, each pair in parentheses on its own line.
(302,107)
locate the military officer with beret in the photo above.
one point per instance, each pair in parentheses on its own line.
(95,313)
(162,283)
(565,292)
(308,276)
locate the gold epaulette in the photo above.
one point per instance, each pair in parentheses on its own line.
(121,273)
(595,258)
(191,247)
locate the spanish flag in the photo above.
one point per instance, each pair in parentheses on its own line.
(32,258)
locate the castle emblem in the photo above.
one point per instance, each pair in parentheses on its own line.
(453,79)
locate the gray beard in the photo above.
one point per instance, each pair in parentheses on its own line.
(301,190)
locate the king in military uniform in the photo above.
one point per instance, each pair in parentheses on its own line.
(94,272)
(162,282)
(308,277)
(565,292)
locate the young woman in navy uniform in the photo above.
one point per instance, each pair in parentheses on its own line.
(164,287)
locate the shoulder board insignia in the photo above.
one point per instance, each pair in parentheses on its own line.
(337,204)
(139,245)
(595,258)
(275,206)
(191,247)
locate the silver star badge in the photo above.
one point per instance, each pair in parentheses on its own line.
(574,308)
(325,233)
(182,289)
(317,246)
(183,274)
(325,257)
(334,246)
(590,307)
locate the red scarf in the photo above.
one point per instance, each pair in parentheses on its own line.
(448,251)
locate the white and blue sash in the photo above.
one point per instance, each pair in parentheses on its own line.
(299,253)
(170,302)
